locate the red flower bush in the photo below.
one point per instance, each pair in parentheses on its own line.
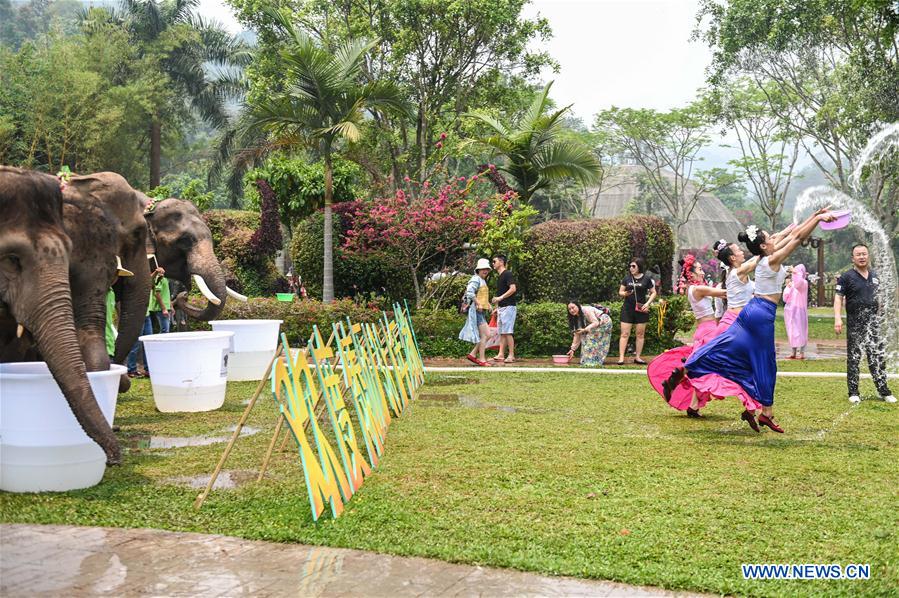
(422,233)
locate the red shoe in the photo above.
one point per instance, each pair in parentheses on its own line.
(671,383)
(749,417)
(767,421)
(473,359)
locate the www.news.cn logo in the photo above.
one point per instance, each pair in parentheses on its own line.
(806,571)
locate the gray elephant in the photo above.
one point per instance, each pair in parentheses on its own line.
(182,244)
(35,295)
(103,215)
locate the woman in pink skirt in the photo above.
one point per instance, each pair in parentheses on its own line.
(796,311)
(692,283)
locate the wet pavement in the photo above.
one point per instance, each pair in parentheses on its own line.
(54,560)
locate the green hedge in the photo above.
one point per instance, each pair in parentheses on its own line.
(591,256)
(541,328)
(371,275)
(245,272)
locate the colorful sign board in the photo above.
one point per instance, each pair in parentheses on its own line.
(364,375)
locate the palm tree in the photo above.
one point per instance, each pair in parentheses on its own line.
(535,155)
(189,47)
(323,104)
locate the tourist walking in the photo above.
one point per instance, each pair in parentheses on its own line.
(591,328)
(796,311)
(476,304)
(506,301)
(699,294)
(638,290)
(742,360)
(858,288)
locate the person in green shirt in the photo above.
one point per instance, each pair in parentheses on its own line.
(160,306)
(111,332)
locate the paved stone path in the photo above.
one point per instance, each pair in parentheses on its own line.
(607,371)
(57,560)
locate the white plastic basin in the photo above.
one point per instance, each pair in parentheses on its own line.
(42,446)
(188,370)
(253,346)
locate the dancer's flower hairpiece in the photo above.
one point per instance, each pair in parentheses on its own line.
(721,244)
(752,231)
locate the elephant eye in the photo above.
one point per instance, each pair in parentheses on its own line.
(10,262)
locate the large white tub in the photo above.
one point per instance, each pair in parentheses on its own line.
(42,445)
(188,370)
(254,345)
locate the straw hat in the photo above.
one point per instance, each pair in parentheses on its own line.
(483,264)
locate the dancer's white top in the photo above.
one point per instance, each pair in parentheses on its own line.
(768,281)
(701,308)
(738,292)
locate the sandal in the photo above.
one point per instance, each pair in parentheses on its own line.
(693,413)
(640,362)
(749,417)
(620,363)
(509,360)
(769,421)
(473,359)
(497,358)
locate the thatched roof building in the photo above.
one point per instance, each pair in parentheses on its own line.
(710,220)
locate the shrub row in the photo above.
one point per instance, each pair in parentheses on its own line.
(591,256)
(352,274)
(541,328)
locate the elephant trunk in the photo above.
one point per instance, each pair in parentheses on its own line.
(135,297)
(205,264)
(51,324)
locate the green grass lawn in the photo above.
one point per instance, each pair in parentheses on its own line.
(590,476)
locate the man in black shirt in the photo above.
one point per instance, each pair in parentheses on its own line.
(507,301)
(858,289)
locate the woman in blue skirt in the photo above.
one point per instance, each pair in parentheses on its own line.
(742,359)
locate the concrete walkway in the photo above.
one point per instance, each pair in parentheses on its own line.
(56,560)
(608,371)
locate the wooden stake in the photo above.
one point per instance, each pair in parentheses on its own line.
(271,446)
(243,419)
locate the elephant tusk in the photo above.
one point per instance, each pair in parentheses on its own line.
(20,330)
(235,295)
(201,284)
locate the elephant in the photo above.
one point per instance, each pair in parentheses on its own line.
(182,243)
(36,304)
(103,216)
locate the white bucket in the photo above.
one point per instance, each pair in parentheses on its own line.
(42,445)
(188,370)
(253,346)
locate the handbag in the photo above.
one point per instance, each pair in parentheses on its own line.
(492,333)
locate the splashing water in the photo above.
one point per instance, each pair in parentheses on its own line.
(882,258)
(876,149)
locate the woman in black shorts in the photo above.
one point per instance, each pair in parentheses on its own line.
(635,288)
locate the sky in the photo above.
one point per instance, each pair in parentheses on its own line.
(626,53)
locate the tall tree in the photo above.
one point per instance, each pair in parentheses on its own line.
(667,146)
(322,107)
(535,154)
(837,64)
(769,146)
(449,57)
(199,63)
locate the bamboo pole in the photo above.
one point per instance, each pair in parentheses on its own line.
(271,446)
(243,419)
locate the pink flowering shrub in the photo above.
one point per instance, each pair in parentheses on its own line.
(421,233)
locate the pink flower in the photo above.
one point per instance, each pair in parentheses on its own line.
(407,179)
(442,136)
(439,145)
